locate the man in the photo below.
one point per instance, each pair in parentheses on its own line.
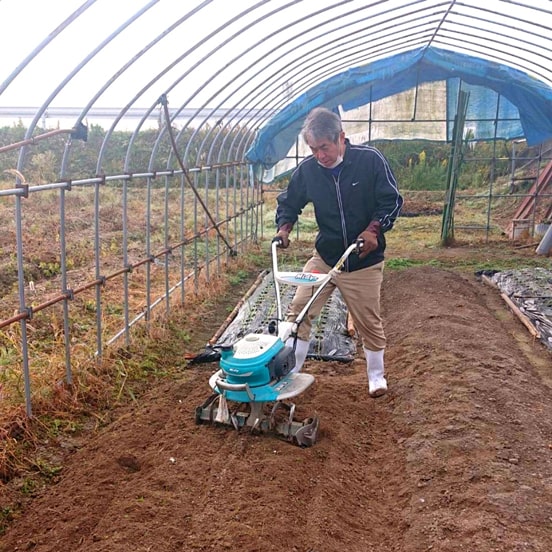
(355,197)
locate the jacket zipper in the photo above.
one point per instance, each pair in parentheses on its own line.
(341,215)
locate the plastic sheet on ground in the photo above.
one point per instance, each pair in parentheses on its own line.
(530,289)
(329,337)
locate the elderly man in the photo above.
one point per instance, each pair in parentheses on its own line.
(355,198)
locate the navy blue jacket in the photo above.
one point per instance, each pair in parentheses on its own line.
(364,191)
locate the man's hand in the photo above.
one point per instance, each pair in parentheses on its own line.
(283,235)
(369,239)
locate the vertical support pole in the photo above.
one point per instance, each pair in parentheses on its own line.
(261,197)
(63,263)
(182,238)
(513,167)
(196,240)
(537,190)
(206,224)
(226,178)
(248,203)
(256,187)
(166,243)
(447,227)
(125,261)
(415,107)
(370,118)
(22,306)
(493,170)
(217,213)
(148,252)
(97,254)
(235,201)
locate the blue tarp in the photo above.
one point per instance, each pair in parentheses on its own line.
(524,108)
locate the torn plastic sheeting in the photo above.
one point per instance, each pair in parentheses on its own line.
(329,337)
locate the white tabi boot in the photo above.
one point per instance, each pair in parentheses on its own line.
(377,384)
(301,351)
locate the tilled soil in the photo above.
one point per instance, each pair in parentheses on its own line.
(456,457)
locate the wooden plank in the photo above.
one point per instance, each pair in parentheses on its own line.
(527,205)
(523,318)
(488,281)
(350,326)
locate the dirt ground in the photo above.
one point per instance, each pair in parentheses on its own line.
(456,457)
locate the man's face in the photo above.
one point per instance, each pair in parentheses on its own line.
(326,151)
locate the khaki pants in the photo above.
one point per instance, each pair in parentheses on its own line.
(360,291)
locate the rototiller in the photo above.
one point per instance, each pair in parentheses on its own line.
(255,382)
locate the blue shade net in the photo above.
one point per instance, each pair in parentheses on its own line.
(517,103)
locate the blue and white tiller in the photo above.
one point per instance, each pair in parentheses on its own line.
(254,383)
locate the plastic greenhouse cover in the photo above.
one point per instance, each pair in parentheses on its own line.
(262,64)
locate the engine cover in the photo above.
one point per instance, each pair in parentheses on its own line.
(249,359)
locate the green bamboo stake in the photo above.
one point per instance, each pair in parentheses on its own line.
(447,225)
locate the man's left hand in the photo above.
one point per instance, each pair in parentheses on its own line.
(369,239)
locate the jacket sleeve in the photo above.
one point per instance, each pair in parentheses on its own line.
(291,201)
(388,199)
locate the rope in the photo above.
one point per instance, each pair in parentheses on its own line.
(163,101)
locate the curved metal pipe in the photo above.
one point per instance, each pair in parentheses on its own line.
(314,79)
(318,52)
(147,86)
(203,59)
(170,66)
(68,78)
(89,105)
(44,43)
(269,36)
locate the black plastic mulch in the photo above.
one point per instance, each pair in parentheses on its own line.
(530,289)
(329,337)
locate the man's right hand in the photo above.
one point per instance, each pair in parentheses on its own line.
(283,235)
(368,239)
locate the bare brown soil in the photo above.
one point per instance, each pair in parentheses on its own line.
(456,457)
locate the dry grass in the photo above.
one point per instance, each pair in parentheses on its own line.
(32,450)
(99,384)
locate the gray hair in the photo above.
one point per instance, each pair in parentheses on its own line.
(320,124)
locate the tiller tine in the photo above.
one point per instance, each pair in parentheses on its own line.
(213,411)
(307,434)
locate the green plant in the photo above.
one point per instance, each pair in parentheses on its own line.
(237,277)
(49,269)
(59,426)
(28,486)
(46,469)
(6,517)
(401,263)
